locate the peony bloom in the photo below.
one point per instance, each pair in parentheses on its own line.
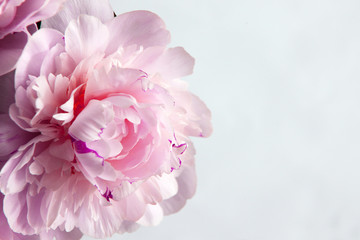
(102,124)
(16,24)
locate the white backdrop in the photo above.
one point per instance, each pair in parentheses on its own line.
(282,79)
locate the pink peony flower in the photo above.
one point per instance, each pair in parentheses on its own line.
(16,19)
(103,121)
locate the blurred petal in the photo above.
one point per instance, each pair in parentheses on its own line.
(7,92)
(29,12)
(187,186)
(11,48)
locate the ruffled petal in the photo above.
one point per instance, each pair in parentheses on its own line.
(16,209)
(38,46)
(195,115)
(72,9)
(85,36)
(141,28)
(86,127)
(98,221)
(153,215)
(13,174)
(5,230)
(187,187)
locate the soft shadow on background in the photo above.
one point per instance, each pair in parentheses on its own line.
(282,79)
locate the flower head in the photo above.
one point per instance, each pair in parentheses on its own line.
(109,122)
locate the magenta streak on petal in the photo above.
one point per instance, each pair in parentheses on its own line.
(81,147)
(179,146)
(101,132)
(143,76)
(107,194)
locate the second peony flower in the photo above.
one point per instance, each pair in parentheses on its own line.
(103,124)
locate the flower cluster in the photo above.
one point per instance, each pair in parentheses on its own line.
(94,121)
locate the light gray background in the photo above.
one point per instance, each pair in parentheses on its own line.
(282,79)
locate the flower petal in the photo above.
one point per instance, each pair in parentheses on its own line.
(85,36)
(153,215)
(5,230)
(38,46)
(86,127)
(72,9)
(173,63)
(11,47)
(11,137)
(187,186)
(141,28)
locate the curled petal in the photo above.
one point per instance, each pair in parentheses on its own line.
(37,47)
(86,127)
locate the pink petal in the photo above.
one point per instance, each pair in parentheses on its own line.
(31,11)
(35,204)
(61,235)
(5,230)
(7,16)
(99,221)
(85,36)
(16,209)
(38,46)
(14,171)
(187,187)
(86,127)
(142,28)
(108,148)
(11,136)
(91,165)
(131,208)
(173,63)
(153,215)
(196,115)
(72,9)
(49,64)
(7,92)
(11,48)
